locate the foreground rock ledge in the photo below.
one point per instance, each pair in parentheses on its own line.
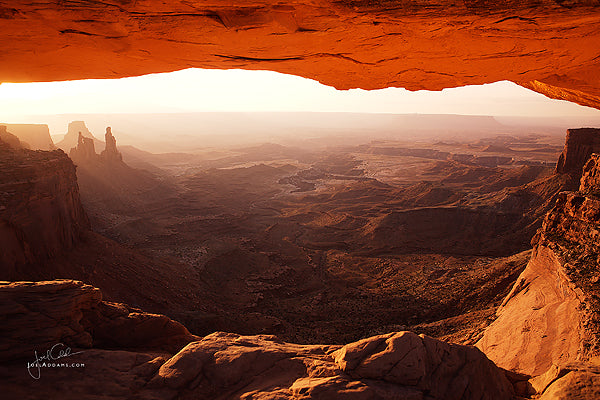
(549,46)
(128,353)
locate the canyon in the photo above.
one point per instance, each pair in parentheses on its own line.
(336,246)
(382,269)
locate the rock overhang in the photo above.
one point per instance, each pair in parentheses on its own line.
(549,46)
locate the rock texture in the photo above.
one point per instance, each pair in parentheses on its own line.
(39,315)
(540,322)
(579,146)
(394,366)
(399,365)
(590,179)
(37,136)
(547,45)
(552,314)
(41,214)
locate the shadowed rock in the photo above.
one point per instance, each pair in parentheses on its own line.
(41,215)
(39,315)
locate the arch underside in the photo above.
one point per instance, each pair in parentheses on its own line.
(550,46)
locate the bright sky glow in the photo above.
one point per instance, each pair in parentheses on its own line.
(196,90)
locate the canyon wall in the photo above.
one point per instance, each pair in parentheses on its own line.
(547,45)
(579,146)
(41,214)
(551,316)
(37,136)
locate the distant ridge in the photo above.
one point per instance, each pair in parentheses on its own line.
(37,136)
(176,132)
(71,137)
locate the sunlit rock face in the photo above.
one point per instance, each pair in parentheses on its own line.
(551,315)
(579,146)
(550,46)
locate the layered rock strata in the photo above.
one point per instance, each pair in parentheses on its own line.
(549,46)
(579,146)
(41,214)
(552,315)
(398,365)
(39,315)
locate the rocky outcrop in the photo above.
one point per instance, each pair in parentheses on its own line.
(38,315)
(71,138)
(552,315)
(136,357)
(579,146)
(590,178)
(9,139)
(37,136)
(41,214)
(540,322)
(85,150)
(547,45)
(84,153)
(399,365)
(110,152)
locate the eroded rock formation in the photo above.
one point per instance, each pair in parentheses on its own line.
(9,139)
(549,46)
(393,366)
(37,136)
(85,151)
(551,317)
(40,210)
(71,138)
(39,315)
(398,365)
(110,152)
(579,146)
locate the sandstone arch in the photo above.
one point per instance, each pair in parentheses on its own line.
(550,46)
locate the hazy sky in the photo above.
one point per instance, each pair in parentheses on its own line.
(238,90)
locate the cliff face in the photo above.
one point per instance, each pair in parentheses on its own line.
(579,146)
(40,211)
(37,136)
(9,140)
(552,315)
(547,45)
